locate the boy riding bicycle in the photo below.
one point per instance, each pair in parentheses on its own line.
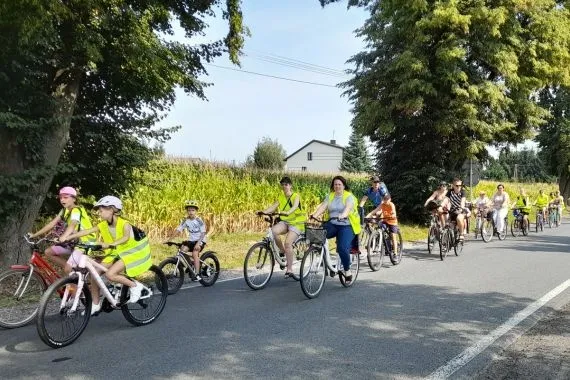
(387,211)
(196,234)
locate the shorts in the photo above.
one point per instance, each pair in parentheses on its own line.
(454,214)
(75,258)
(391,227)
(290,227)
(192,244)
(58,250)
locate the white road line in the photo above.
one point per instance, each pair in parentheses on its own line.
(198,284)
(466,356)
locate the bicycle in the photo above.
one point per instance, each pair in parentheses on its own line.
(539,219)
(450,239)
(489,229)
(22,286)
(480,220)
(318,262)
(553,216)
(374,255)
(519,226)
(261,257)
(66,304)
(174,268)
(380,245)
(433,232)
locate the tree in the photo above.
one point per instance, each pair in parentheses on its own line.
(268,154)
(523,166)
(355,157)
(96,65)
(554,136)
(440,80)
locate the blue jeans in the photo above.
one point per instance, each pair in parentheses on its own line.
(344,237)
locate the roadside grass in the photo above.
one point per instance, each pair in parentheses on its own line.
(231,248)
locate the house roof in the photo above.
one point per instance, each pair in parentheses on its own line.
(309,143)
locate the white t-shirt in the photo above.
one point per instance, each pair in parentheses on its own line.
(195,227)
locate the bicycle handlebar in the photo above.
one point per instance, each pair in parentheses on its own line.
(171,243)
(31,242)
(92,247)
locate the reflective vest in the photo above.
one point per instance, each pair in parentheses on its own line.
(353,217)
(542,200)
(522,204)
(84,222)
(298,218)
(135,254)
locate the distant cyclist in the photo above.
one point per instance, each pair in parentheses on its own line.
(457,200)
(541,202)
(375,193)
(522,203)
(439,203)
(501,203)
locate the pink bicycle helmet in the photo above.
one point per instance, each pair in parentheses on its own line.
(68,190)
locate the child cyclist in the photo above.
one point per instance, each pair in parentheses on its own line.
(387,211)
(122,252)
(71,218)
(196,234)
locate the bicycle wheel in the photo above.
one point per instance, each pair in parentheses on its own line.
(432,237)
(397,257)
(209,268)
(487,230)
(444,244)
(354,268)
(20,295)
(57,325)
(374,251)
(313,272)
(550,219)
(364,238)
(515,228)
(458,246)
(153,298)
(258,266)
(524,227)
(300,246)
(537,226)
(557,219)
(174,274)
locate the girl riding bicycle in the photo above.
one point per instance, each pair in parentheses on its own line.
(122,252)
(71,218)
(292,221)
(343,220)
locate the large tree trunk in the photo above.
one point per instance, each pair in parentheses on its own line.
(65,90)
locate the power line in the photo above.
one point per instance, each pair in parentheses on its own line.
(271,76)
(290,62)
(280,57)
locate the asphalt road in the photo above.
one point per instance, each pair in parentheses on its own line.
(404,322)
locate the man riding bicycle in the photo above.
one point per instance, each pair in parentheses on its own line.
(456,212)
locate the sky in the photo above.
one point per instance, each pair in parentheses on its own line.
(243,108)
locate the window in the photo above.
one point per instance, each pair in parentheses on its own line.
(303,168)
(309,156)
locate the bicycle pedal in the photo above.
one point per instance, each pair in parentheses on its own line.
(282,267)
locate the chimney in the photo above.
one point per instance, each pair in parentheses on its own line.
(333,142)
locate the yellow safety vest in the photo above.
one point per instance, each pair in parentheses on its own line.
(542,200)
(135,254)
(298,218)
(353,217)
(521,204)
(84,223)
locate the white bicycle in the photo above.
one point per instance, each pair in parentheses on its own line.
(65,307)
(261,257)
(318,262)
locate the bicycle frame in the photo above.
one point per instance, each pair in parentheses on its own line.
(272,244)
(182,259)
(89,266)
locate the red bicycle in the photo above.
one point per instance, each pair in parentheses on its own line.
(22,286)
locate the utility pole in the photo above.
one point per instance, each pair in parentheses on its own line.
(470,179)
(516,173)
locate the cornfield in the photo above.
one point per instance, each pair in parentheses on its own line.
(228,196)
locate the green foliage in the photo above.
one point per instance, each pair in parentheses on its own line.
(523,166)
(102,72)
(268,154)
(355,157)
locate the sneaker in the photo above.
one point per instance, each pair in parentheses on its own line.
(348,275)
(198,277)
(96,308)
(135,293)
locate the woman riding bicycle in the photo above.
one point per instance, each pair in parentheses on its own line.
(292,221)
(500,202)
(343,221)
(439,203)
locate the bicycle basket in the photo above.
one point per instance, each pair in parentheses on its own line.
(314,234)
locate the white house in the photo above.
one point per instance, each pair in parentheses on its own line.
(317,157)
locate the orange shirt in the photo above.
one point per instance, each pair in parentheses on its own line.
(389,213)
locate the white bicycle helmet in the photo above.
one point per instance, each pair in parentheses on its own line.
(108,201)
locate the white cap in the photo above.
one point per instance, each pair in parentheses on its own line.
(108,201)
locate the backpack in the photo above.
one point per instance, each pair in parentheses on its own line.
(138,234)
